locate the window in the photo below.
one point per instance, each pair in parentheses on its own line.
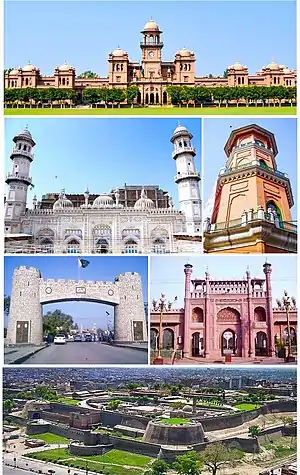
(273,207)
(263,164)
(131,247)
(159,246)
(118,78)
(185,79)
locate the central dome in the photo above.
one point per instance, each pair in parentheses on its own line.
(63,202)
(118,52)
(65,67)
(144,202)
(151,25)
(29,67)
(103,200)
(273,66)
(185,52)
(237,66)
(180,129)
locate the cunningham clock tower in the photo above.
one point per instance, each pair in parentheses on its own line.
(151,47)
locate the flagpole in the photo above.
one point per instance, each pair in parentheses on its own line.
(78,268)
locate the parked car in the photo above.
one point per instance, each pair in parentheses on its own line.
(60,339)
(88,338)
(77,338)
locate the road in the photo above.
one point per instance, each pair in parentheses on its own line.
(14,471)
(87,353)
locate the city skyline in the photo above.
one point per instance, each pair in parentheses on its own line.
(124,31)
(114,152)
(66,267)
(170,279)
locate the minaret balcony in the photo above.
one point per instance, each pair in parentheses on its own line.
(10,177)
(151,45)
(179,150)
(24,153)
(183,176)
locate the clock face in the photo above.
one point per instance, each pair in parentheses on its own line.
(151,54)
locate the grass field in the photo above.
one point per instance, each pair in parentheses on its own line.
(51,438)
(69,401)
(247,406)
(174,421)
(177,111)
(115,462)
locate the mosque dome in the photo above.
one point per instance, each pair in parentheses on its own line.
(237,66)
(185,52)
(13,72)
(274,66)
(151,25)
(118,52)
(143,202)
(103,200)
(29,67)
(63,202)
(180,129)
(25,133)
(65,67)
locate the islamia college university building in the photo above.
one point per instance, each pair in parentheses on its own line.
(225,316)
(150,74)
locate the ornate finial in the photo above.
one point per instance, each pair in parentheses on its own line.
(143,193)
(26,127)
(29,61)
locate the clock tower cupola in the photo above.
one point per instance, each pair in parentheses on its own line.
(151,46)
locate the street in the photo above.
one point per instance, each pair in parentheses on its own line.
(14,471)
(87,353)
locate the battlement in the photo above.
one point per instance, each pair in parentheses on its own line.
(87,283)
(24,269)
(114,208)
(128,276)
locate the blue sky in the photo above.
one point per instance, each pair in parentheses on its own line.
(167,273)
(220,33)
(100,268)
(216,133)
(101,153)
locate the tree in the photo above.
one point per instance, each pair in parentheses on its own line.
(287,420)
(87,75)
(57,321)
(216,456)
(131,93)
(225,74)
(114,404)
(132,386)
(177,405)
(8,406)
(254,431)
(188,464)
(6,304)
(159,467)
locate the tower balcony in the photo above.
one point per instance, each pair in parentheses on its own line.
(227,171)
(178,151)
(10,177)
(24,153)
(151,45)
(183,176)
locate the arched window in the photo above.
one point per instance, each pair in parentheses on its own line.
(273,206)
(26,82)
(239,80)
(64,82)
(159,246)
(73,247)
(168,339)
(102,246)
(263,164)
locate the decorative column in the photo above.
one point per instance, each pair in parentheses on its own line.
(268,270)
(187,308)
(248,337)
(206,317)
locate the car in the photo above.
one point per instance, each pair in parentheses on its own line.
(60,339)
(77,338)
(88,338)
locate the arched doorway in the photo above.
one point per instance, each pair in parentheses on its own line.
(165,98)
(154,339)
(102,246)
(159,246)
(152,98)
(139,98)
(147,98)
(229,342)
(168,339)
(261,344)
(157,98)
(73,247)
(197,344)
(47,245)
(131,247)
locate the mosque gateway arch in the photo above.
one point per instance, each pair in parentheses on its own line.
(30,291)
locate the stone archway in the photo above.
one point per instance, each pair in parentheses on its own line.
(261,344)
(154,339)
(229,342)
(30,292)
(197,344)
(197,315)
(260,314)
(168,339)
(151,101)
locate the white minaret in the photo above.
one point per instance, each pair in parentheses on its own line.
(18,181)
(187,179)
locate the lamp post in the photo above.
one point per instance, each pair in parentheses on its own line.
(287,305)
(162,306)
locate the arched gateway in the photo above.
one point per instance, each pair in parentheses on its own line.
(30,291)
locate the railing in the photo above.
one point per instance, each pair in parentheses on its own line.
(181,176)
(253,143)
(22,152)
(183,150)
(166,353)
(238,223)
(17,176)
(250,165)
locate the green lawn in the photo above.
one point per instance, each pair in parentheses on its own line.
(117,457)
(175,421)
(247,406)
(66,400)
(51,438)
(177,111)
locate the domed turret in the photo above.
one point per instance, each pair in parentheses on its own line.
(144,202)
(151,25)
(103,200)
(118,52)
(185,52)
(273,66)
(28,67)
(237,66)
(63,202)
(65,67)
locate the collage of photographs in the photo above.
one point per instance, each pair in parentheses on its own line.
(150,237)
